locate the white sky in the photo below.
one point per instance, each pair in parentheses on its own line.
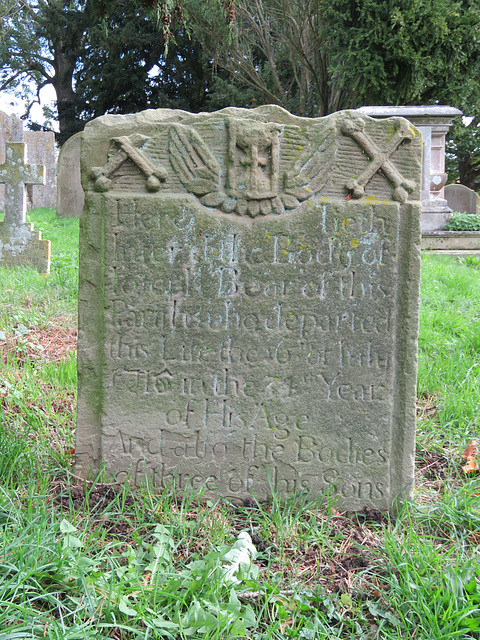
(10,104)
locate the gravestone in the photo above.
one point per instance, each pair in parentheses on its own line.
(70,196)
(41,149)
(11,127)
(19,244)
(11,130)
(248,308)
(461,198)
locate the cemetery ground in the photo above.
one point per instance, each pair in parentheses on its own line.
(102,560)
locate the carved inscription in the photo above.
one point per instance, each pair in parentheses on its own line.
(242,357)
(248,303)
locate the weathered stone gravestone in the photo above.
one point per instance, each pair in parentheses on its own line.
(461,198)
(19,243)
(70,195)
(42,150)
(249,288)
(11,130)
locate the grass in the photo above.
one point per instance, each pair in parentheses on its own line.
(102,560)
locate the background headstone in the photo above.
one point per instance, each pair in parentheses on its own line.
(11,130)
(248,307)
(70,195)
(19,243)
(461,198)
(41,149)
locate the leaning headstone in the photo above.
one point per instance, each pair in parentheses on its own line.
(70,195)
(461,198)
(248,309)
(41,149)
(19,244)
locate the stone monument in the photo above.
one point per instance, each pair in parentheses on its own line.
(70,196)
(248,309)
(41,149)
(19,243)
(461,198)
(433,123)
(11,130)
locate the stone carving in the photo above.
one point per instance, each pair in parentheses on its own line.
(19,244)
(41,149)
(380,159)
(269,168)
(127,149)
(226,347)
(252,183)
(433,123)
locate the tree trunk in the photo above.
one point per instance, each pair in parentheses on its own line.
(63,83)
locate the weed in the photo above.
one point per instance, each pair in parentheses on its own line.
(463,222)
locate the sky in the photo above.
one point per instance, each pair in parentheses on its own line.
(10,104)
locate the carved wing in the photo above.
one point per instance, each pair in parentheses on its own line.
(311,166)
(195,165)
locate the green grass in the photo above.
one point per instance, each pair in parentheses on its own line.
(37,341)
(449,346)
(99,560)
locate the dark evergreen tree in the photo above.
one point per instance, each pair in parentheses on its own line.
(101,58)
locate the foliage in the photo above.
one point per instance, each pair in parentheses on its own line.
(39,45)
(463,149)
(312,57)
(414,52)
(99,57)
(406,51)
(318,56)
(276,49)
(124,67)
(463,222)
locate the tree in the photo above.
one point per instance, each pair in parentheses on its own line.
(415,52)
(40,45)
(124,68)
(99,57)
(317,56)
(276,49)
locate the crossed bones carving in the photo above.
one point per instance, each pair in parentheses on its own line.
(154,175)
(379,160)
